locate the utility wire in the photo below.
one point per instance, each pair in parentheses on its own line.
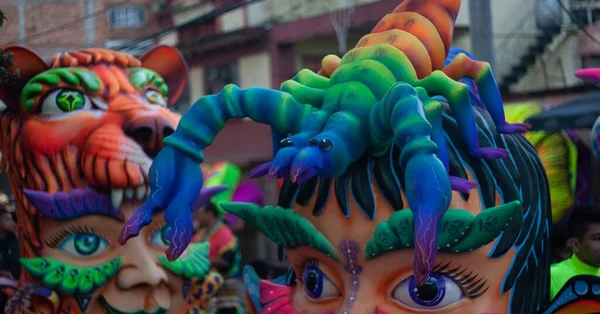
(210,16)
(574,20)
(68,24)
(201,19)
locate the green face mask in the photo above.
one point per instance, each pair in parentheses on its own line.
(68,279)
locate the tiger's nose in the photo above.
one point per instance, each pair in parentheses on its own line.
(149,131)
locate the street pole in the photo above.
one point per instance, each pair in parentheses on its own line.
(481,30)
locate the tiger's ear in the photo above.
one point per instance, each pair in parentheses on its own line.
(26,64)
(170,64)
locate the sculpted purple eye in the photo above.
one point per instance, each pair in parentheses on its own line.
(317,285)
(437,292)
(431,293)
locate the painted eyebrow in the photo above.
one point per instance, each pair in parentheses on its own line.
(282,226)
(459,231)
(141,77)
(52,77)
(73,205)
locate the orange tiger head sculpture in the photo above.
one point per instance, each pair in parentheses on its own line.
(78,137)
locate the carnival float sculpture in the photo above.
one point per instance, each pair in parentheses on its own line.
(394,200)
(78,136)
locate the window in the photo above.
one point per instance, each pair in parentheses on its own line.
(590,62)
(586,12)
(215,78)
(127,17)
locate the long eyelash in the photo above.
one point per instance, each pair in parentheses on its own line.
(473,284)
(301,262)
(54,239)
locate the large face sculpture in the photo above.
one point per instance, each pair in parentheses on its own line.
(352,243)
(78,136)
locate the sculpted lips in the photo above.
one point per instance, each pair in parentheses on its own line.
(112,310)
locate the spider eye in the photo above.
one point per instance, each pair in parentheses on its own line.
(325,145)
(286,142)
(313,142)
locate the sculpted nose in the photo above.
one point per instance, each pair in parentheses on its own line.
(140,267)
(149,131)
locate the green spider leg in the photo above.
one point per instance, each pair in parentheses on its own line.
(307,87)
(457,94)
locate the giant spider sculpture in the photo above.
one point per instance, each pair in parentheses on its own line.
(382,92)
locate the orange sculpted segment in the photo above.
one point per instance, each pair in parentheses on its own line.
(422,28)
(462,66)
(442,13)
(329,64)
(403,41)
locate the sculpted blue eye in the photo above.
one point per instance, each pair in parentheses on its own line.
(159,238)
(84,244)
(438,292)
(317,285)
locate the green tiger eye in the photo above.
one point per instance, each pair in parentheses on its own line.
(70,100)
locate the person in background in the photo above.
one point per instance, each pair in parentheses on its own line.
(225,256)
(9,245)
(561,249)
(584,239)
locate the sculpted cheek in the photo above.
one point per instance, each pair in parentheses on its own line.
(49,137)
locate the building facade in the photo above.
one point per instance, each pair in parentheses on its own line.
(51,26)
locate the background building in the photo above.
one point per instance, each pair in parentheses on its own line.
(51,26)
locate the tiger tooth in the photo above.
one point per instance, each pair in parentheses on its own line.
(140,192)
(128,193)
(116,197)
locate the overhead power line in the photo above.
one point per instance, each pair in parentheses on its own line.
(71,23)
(576,22)
(199,20)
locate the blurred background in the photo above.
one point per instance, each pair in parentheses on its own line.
(534,46)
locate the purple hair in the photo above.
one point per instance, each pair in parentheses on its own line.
(247,192)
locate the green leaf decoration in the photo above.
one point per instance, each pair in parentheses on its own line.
(193,265)
(71,76)
(282,226)
(142,77)
(488,225)
(459,231)
(68,279)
